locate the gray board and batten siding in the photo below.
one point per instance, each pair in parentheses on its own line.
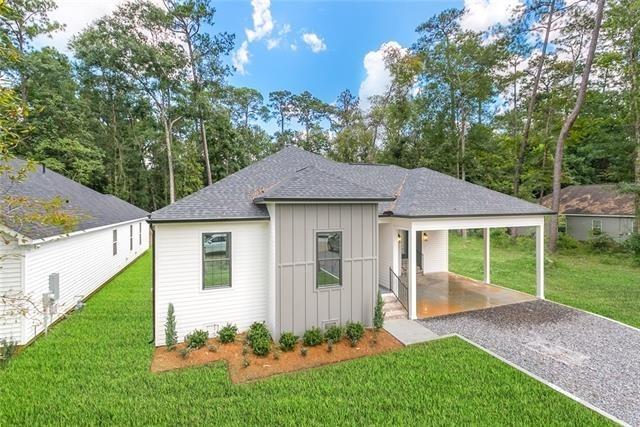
(299,303)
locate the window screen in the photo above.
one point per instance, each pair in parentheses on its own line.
(328,259)
(216,260)
(115,242)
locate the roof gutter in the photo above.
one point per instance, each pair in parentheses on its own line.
(179,220)
(324,200)
(388,214)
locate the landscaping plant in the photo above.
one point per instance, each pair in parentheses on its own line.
(8,349)
(354,332)
(288,341)
(334,333)
(312,337)
(259,338)
(228,333)
(304,351)
(329,345)
(170,332)
(185,352)
(197,339)
(378,314)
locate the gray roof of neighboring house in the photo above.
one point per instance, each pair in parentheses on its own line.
(597,199)
(295,174)
(92,209)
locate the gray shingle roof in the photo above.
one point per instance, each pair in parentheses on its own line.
(293,173)
(93,209)
(595,199)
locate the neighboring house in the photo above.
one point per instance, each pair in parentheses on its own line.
(297,240)
(37,260)
(594,209)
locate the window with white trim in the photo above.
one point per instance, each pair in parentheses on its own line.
(216,260)
(115,242)
(328,259)
(131,237)
(140,233)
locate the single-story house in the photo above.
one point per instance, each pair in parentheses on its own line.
(594,209)
(297,240)
(47,271)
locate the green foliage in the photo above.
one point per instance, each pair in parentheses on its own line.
(603,243)
(334,333)
(185,352)
(566,241)
(259,338)
(354,332)
(170,332)
(8,349)
(261,346)
(288,341)
(312,337)
(197,339)
(227,334)
(632,244)
(378,314)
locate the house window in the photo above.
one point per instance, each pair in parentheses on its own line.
(216,260)
(140,233)
(596,226)
(131,237)
(328,259)
(115,242)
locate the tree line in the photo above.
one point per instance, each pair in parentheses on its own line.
(143,109)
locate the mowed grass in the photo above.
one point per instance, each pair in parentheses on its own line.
(606,284)
(93,368)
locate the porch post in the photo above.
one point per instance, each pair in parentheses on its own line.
(540,261)
(487,255)
(412,273)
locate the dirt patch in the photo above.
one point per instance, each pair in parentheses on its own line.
(260,367)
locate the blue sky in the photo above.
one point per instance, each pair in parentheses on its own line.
(344,38)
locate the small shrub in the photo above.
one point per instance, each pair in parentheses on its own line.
(378,314)
(261,345)
(276,354)
(245,349)
(228,333)
(334,333)
(258,331)
(329,346)
(312,337)
(170,333)
(603,243)
(632,244)
(245,362)
(212,348)
(185,352)
(8,349)
(566,241)
(288,341)
(354,332)
(304,351)
(197,339)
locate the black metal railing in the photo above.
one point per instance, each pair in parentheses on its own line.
(399,288)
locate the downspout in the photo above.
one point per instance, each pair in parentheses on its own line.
(153,284)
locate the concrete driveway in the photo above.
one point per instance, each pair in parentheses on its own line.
(593,358)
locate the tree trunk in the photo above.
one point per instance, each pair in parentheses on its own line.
(167,141)
(568,124)
(532,104)
(635,101)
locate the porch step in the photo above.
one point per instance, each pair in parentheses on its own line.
(392,308)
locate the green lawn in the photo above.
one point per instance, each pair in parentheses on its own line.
(93,368)
(607,284)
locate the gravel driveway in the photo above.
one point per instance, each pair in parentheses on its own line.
(593,358)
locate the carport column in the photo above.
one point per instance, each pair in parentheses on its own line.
(411,273)
(487,255)
(540,261)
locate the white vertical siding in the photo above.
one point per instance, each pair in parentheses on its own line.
(386,240)
(11,261)
(178,277)
(84,262)
(435,252)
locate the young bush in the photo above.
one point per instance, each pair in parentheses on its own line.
(228,333)
(632,244)
(170,333)
(566,241)
(334,333)
(354,332)
(603,243)
(185,352)
(288,341)
(378,314)
(7,350)
(258,331)
(312,337)
(261,346)
(197,339)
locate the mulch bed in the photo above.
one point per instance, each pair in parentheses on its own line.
(261,367)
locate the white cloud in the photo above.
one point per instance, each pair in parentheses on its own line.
(262,20)
(273,43)
(481,14)
(241,57)
(316,44)
(76,15)
(286,29)
(378,76)
(293,47)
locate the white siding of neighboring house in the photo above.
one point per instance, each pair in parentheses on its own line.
(10,282)
(84,261)
(435,251)
(178,277)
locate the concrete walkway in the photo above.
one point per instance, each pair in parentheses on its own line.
(409,331)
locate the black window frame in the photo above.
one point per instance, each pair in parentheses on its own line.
(228,258)
(114,243)
(318,286)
